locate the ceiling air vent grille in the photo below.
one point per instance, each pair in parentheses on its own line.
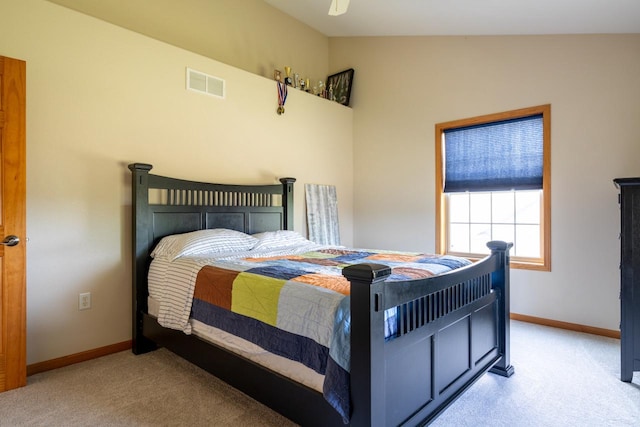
(204,83)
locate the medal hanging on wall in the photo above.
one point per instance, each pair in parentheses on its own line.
(282,96)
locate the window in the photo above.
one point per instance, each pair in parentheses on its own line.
(493,182)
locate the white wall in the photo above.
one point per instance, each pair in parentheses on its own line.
(403,86)
(100,97)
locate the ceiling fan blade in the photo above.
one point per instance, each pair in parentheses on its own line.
(338,7)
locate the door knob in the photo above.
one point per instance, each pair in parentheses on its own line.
(11,240)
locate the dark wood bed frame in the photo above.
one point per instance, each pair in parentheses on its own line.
(455,327)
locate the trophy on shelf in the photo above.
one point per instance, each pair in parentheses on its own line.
(287,78)
(321,89)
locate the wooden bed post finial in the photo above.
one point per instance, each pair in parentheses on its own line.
(140,166)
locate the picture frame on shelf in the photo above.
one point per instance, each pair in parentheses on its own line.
(339,85)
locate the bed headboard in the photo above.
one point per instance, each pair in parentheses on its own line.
(162,206)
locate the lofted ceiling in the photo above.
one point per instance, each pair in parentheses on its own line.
(467,17)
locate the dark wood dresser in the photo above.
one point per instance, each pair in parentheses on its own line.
(629,200)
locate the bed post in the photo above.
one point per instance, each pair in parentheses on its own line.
(140,255)
(500,282)
(367,343)
(287,202)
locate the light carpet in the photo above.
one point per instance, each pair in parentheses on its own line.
(562,379)
(153,389)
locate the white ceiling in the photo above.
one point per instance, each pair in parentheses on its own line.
(467,17)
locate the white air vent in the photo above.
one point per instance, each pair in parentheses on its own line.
(204,83)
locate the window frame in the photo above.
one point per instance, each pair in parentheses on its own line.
(544,262)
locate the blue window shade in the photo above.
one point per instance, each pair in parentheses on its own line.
(497,156)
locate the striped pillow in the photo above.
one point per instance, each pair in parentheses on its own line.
(203,243)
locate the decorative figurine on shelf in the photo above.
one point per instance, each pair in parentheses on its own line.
(287,78)
(321,91)
(277,75)
(307,86)
(330,93)
(296,80)
(302,85)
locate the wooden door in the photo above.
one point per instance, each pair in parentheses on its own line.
(13,348)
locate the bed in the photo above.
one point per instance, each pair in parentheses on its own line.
(450,328)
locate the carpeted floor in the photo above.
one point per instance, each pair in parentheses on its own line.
(562,379)
(154,389)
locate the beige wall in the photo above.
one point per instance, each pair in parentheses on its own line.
(404,86)
(248,34)
(100,97)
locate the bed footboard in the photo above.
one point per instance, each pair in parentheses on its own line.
(452,329)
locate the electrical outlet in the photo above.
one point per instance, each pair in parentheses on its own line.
(84,301)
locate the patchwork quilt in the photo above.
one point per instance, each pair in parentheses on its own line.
(297,306)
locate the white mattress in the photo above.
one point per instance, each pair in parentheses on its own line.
(290,369)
